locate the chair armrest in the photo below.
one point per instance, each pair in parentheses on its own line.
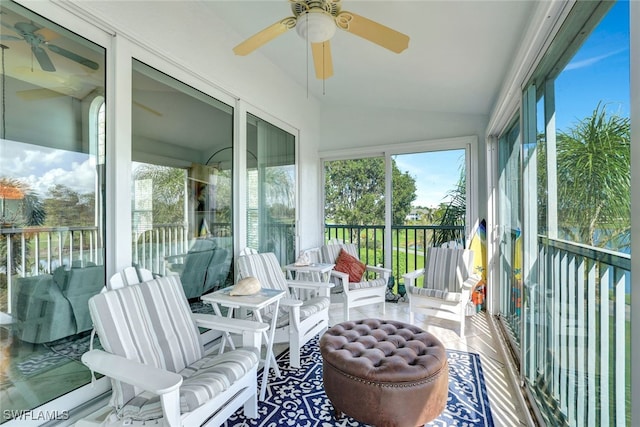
(410,277)
(309,285)
(471,282)
(290,302)
(146,377)
(174,258)
(384,272)
(251,331)
(340,275)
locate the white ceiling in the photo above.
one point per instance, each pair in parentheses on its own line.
(459,52)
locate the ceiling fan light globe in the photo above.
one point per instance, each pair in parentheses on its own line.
(316,27)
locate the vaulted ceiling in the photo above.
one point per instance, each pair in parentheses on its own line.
(459,52)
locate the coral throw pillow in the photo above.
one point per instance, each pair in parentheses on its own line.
(351,265)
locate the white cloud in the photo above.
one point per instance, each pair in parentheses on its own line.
(574,65)
(44,167)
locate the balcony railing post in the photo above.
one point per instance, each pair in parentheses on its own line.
(9,273)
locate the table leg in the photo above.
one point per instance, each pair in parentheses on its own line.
(269,357)
(226,336)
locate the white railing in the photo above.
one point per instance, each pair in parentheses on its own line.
(576,347)
(152,246)
(30,251)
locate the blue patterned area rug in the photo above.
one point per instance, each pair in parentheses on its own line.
(53,354)
(298,397)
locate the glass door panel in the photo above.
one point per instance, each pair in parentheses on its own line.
(51,206)
(428,206)
(510,232)
(271,189)
(181,182)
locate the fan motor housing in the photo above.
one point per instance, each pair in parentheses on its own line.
(316,26)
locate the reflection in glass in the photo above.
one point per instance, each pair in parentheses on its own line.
(271,189)
(181,207)
(51,206)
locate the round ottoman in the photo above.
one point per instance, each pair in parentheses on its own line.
(384,372)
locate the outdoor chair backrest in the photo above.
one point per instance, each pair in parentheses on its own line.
(330,252)
(446,268)
(265,267)
(148,322)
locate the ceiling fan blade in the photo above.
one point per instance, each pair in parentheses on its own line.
(8,37)
(73,56)
(26,27)
(322,59)
(43,58)
(264,36)
(48,34)
(372,31)
(40,93)
(5,24)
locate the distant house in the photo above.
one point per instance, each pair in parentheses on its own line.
(413,216)
(10,202)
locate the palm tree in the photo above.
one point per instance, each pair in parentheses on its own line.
(594,180)
(28,211)
(454,212)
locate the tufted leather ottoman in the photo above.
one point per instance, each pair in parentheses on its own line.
(384,372)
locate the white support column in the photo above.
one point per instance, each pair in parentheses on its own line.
(388,210)
(118,157)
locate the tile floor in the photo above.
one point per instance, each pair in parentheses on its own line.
(505,408)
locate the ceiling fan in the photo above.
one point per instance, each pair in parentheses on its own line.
(35,36)
(316,21)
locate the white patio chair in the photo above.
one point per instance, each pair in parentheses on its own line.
(356,293)
(299,320)
(158,368)
(447,285)
(129,276)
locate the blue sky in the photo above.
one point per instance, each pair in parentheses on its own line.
(436,173)
(599,71)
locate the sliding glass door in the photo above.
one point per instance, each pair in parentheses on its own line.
(52,254)
(182,143)
(510,232)
(271,189)
(396,206)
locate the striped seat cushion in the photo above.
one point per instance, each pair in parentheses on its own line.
(203,381)
(150,323)
(375,283)
(453,297)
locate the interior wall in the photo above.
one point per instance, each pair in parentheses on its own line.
(57,110)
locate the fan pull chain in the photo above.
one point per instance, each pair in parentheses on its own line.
(4,94)
(324,70)
(307,35)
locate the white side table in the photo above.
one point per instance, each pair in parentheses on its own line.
(315,272)
(318,272)
(256,303)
